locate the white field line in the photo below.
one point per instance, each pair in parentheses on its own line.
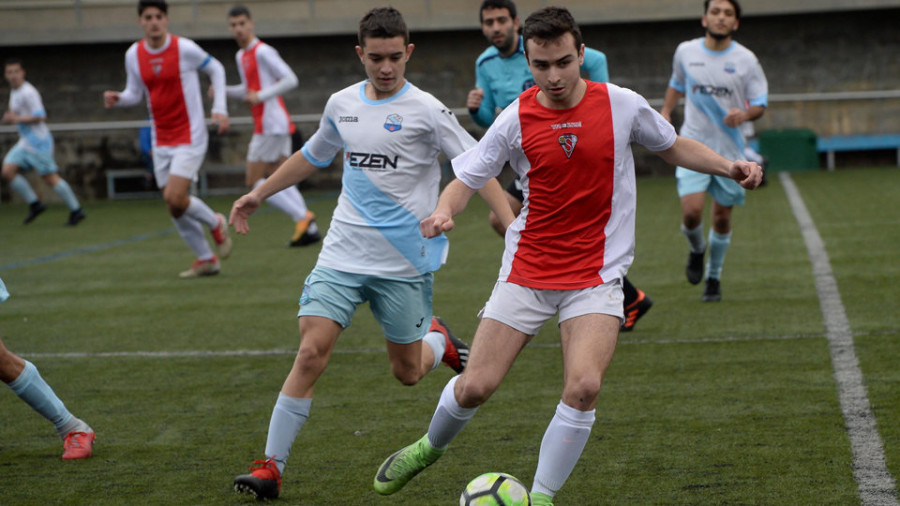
(876,485)
(373,350)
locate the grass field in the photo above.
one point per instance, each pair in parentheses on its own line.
(728,403)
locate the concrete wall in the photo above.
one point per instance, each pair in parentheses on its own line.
(801,53)
(29,22)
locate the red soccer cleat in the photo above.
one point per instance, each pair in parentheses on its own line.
(78,445)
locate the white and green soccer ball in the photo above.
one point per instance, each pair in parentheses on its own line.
(495,489)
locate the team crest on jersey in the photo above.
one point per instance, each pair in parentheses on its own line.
(729,68)
(568,141)
(528,84)
(393,122)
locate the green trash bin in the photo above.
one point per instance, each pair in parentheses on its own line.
(789,149)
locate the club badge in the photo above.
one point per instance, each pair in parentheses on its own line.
(393,122)
(568,141)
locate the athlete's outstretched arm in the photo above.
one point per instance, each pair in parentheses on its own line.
(292,171)
(452,202)
(695,155)
(495,196)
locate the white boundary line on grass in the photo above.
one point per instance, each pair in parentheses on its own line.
(876,485)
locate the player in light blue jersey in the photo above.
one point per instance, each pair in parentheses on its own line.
(724,87)
(391,134)
(501,72)
(34,151)
(26,382)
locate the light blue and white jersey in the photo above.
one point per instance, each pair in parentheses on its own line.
(3,293)
(391,178)
(34,137)
(713,83)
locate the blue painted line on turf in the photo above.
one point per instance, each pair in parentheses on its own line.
(87,249)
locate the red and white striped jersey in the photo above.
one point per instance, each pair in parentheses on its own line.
(576,229)
(168,77)
(261,68)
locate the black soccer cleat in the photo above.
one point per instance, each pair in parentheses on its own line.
(34,211)
(75,217)
(264,481)
(694,268)
(713,292)
(636,310)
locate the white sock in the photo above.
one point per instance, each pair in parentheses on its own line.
(192,232)
(438,344)
(449,418)
(289,201)
(64,191)
(561,448)
(288,417)
(695,238)
(201,212)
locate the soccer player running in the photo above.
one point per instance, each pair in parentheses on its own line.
(26,382)
(569,140)
(724,87)
(264,78)
(164,67)
(34,150)
(391,133)
(501,74)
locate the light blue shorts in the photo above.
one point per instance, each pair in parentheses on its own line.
(42,163)
(402,306)
(725,191)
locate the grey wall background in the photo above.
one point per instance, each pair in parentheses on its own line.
(846,50)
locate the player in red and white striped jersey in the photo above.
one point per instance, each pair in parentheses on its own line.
(164,68)
(264,78)
(569,141)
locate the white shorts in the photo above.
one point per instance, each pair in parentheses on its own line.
(183,161)
(527,309)
(269,148)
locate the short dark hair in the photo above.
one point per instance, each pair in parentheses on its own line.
(551,23)
(383,23)
(13,61)
(497,4)
(159,4)
(734,3)
(239,10)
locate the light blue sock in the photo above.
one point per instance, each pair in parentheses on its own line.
(31,388)
(64,191)
(288,417)
(694,238)
(718,245)
(21,186)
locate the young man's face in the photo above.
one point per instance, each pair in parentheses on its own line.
(155,23)
(500,29)
(720,19)
(555,66)
(241,28)
(385,63)
(14,74)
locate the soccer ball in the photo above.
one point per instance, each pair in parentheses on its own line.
(495,489)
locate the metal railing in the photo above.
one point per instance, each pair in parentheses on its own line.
(460,112)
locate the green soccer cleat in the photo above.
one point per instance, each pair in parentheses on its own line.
(539,499)
(403,465)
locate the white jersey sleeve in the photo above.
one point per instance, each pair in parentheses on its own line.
(284,78)
(134,85)
(197,58)
(501,143)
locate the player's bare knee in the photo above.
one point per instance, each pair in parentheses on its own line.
(407,375)
(582,392)
(470,394)
(310,360)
